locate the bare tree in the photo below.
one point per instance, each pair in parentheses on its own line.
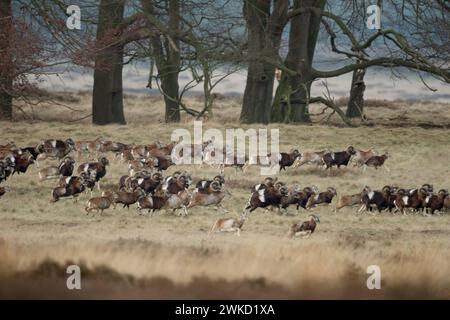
(24,56)
(399,52)
(192,41)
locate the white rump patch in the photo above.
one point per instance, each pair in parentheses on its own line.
(261,196)
(371,194)
(54,143)
(140,180)
(166,184)
(203,183)
(405,200)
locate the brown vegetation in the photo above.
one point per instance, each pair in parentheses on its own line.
(126,255)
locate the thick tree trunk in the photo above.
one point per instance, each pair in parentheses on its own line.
(290,103)
(107,100)
(5,100)
(169,84)
(355,106)
(258,94)
(264,36)
(6,80)
(167,59)
(168,71)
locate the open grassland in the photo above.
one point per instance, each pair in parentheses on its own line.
(124,255)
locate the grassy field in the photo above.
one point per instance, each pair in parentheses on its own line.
(124,255)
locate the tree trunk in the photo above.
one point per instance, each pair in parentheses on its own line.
(258,94)
(291,98)
(6,80)
(355,104)
(166,55)
(107,100)
(168,71)
(264,36)
(169,84)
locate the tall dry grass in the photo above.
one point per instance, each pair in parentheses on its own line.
(126,255)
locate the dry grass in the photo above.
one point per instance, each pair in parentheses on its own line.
(140,109)
(125,255)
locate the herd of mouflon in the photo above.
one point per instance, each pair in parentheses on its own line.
(149,190)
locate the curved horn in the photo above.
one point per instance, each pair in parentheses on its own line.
(176,174)
(215,186)
(284,190)
(307,189)
(279,184)
(156,176)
